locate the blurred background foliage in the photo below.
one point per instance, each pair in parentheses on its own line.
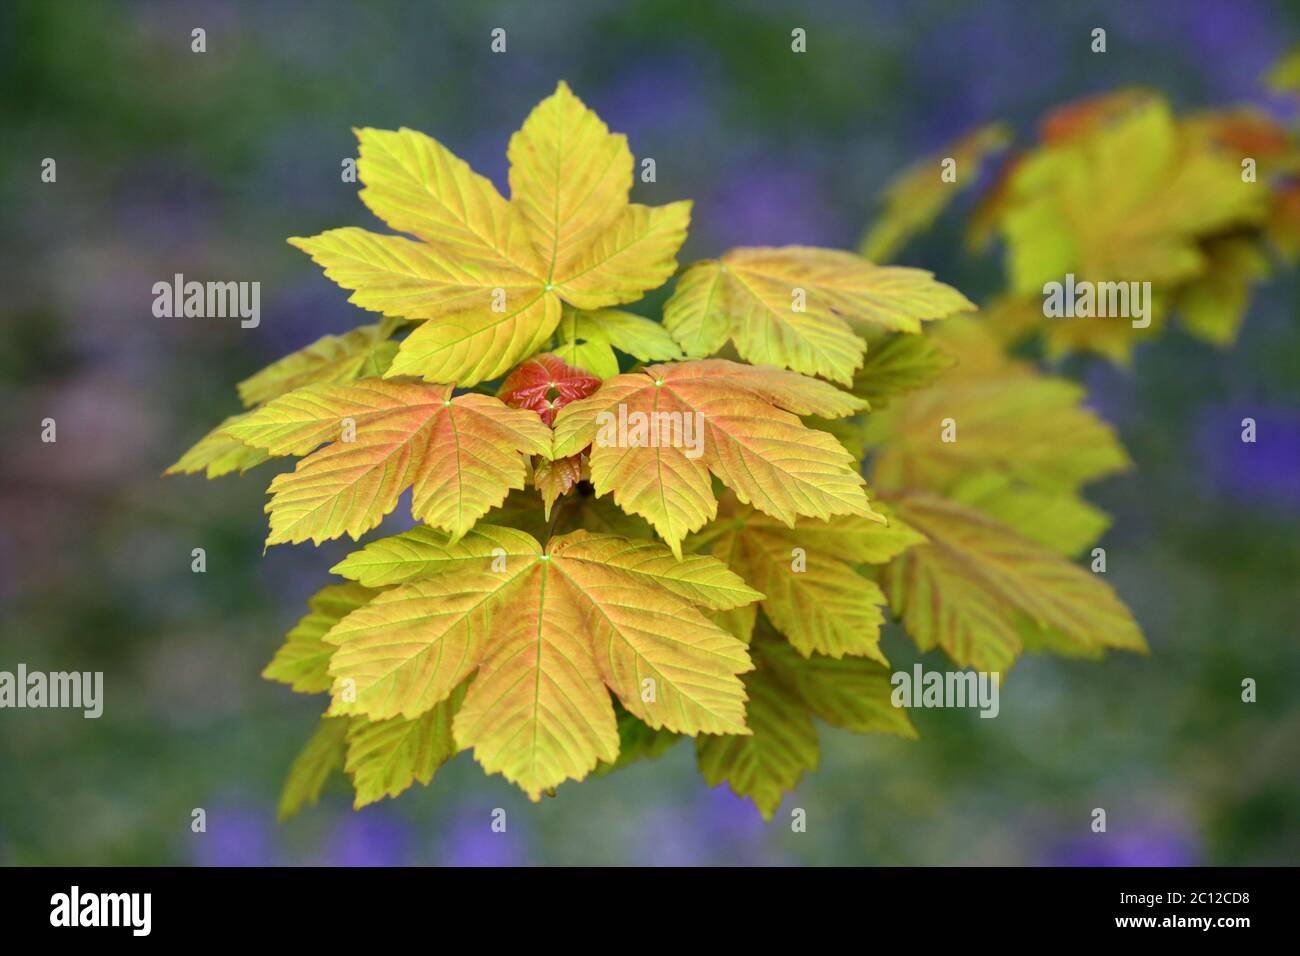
(170,161)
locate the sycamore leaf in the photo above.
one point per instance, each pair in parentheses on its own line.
(460,455)
(332,358)
(785,693)
(219,453)
(850,692)
(569,176)
(975,584)
(1213,305)
(637,741)
(797,307)
(475,345)
(550,634)
(697,315)
(813,595)
(487,276)
(916,197)
(545,384)
(553,479)
(318,760)
(897,364)
(588,340)
(1058,520)
(1028,427)
(658,434)
(636,253)
(386,757)
(768,762)
(418,186)
(1128,201)
(303,661)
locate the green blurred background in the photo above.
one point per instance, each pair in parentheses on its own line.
(170,161)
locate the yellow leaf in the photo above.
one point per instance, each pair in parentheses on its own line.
(569,177)
(768,762)
(219,453)
(424,551)
(588,340)
(797,307)
(1129,201)
(417,185)
(331,358)
(318,760)
(637,252)
(990,413)
(487,278)
(414,280)
(1213,305)
(480,344)
(852,692)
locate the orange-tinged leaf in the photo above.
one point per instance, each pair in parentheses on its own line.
(461,456)
(556,478)
(550,634)
(658,434)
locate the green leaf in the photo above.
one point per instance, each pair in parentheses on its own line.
(425,551)
(303,661)
(386,757)
(813,596)
(897,364)
(331,358)
(975,584)
(771,759)
(219,453)
(321,757)
(588,340)
(850,692)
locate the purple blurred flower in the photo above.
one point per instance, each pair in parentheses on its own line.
(717,828)
(769,202)
(470,841)
(1265,472)
(1156,846)
(238,834)
(373,837)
